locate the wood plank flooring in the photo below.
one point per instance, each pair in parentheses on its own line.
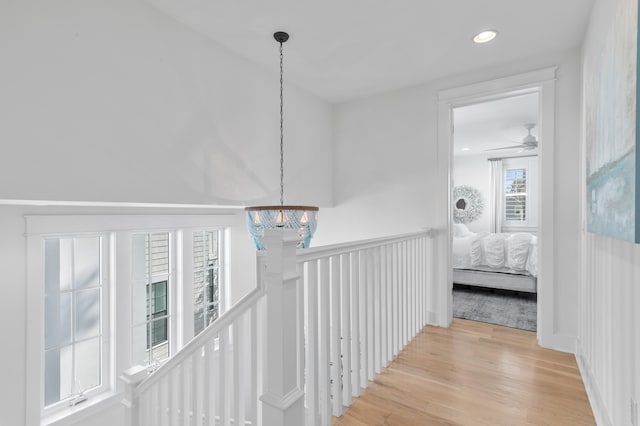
(474,374)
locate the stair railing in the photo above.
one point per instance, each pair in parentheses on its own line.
(363,303)
(295,351)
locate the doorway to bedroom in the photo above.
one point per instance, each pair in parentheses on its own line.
(496,198)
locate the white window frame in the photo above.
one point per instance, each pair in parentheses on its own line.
(530,165)
(188,305)
(37,259)
(174,286)
(222,276)
(117,230)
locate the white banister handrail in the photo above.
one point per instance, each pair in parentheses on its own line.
(224,321)
(334,314)
(304,255)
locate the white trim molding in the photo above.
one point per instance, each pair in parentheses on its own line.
(539,81)
(591,386)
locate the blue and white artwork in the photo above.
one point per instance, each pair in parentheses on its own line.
(610,126)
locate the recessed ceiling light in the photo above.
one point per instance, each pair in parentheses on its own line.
(485,36)
(465,149)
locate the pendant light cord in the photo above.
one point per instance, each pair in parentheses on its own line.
(281,130)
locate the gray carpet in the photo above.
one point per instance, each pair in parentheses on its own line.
(500,307)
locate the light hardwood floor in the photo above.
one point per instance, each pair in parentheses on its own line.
(474,374)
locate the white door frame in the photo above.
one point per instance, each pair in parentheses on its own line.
(541,82)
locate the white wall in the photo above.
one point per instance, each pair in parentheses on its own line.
(475,171)
(609,338)
(387,162)
(383,167)
(112,101)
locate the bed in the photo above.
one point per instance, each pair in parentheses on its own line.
(503,261)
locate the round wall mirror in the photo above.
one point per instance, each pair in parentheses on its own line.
(467,204)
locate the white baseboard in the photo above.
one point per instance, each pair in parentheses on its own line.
(432,318)
(558,342)
(595,399)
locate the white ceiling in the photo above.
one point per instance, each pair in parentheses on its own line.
(346,49)
(494,124)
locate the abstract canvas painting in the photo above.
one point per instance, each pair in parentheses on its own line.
(610,128)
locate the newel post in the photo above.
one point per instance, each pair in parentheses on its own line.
(283,398)
(131,379)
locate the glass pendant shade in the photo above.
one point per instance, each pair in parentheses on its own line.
(302,218)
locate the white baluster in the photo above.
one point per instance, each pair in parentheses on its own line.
(256,371)
(401,297)
(364,333)
(154,404)
(145,408)
(412,271)
(323,344)
(207,371)
(390,285)
(238,352)
(336,373)
(355,323)
(311,353)
(371,342)
(395,299)
(377,349)
(188,391)
(423,306)
(420,286)
(384,358)
(301,330)
(194,395)
(405,293)
(222,391)
(174,395)
(345,280)
(163,405)
(199,385)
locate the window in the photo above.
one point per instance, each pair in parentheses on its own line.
(520,191)
(206,278)
(515,195)
(151,286)
(73,318)
(79,337)
(158,315)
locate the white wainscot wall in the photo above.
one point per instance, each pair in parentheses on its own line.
(609,342)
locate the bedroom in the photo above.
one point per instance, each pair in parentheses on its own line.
(495,211)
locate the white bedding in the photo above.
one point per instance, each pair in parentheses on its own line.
(511,252)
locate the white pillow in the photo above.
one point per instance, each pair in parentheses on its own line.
(518,251)
(460,230)
(532,261)
(494,250)
(476,249)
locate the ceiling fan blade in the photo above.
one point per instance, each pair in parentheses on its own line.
(505,147)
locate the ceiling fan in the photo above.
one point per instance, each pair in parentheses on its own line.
(529,142)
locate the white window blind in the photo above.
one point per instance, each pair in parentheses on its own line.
(515,195)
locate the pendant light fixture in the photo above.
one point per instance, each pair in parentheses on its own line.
(302,218)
